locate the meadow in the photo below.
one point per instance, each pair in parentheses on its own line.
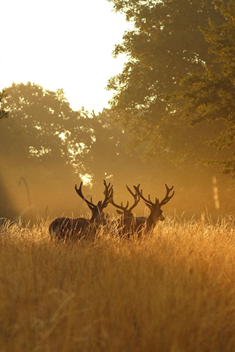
(173,290)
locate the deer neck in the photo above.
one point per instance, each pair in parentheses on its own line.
(97,219)
(152,220)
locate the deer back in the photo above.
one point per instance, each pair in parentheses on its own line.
(64,228)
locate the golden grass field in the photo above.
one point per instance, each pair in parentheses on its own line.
(171,291)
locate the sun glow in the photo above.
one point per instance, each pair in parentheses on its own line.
(69,45)
(86,179)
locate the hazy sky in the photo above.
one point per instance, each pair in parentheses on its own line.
(61,44)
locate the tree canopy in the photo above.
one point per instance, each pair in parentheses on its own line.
(211,94)
(165,45)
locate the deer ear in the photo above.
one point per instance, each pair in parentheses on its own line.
(119,212)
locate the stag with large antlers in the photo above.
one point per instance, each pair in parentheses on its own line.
(64,228)
(128,224)
(155,209)
(127,220)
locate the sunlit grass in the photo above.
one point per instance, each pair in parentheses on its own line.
(172,291)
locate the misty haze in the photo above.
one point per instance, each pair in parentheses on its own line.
(48,148)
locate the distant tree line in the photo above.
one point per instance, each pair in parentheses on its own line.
(53,147)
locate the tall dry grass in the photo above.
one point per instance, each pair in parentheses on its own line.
(171,291)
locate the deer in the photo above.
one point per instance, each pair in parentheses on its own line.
(156,214)
(127,217)
(130,224)
(65,228)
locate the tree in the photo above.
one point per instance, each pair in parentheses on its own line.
(32,147)
(211,94)
(164,46)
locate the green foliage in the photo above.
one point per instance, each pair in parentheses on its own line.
(210,95)
(164,46)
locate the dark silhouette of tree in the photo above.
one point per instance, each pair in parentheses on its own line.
(164,46)
(211,94)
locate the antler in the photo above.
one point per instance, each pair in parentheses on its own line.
(121,207)
(149,202)
(167,197)
(108,195)
(135,196)
(79,192)
(140,194)
(125,209)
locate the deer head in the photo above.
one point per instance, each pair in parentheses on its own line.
(124,211)
(156,213)
(97,209)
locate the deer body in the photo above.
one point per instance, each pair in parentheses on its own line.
(64,228)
